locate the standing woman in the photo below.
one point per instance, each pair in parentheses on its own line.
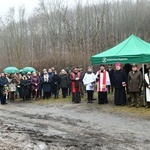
(55,84)
(24,84)
(119,83)
(147,84)
(89,81)
(35,81)
(46,85)
(3,88)
(75,78)
(64,83)
(12,89)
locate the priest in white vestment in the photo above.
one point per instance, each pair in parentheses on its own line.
(103,80)
(147,84)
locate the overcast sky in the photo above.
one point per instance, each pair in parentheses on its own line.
(6,4)
(31,4)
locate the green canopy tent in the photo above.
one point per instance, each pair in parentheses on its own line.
(132,50)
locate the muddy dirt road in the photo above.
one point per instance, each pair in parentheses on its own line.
(37,126)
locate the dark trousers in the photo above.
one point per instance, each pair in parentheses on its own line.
(135,98)
(50,94)
(29,94)
(64,92)
(56,92)
(3,99)
(12,96)
(0,96)
(76,98)
(40,91)
(45,95)
(20,92)
(90,95)
(102,98)
(110,89)
(119,96)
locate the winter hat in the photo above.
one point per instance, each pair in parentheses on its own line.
(134,65)
(118,64)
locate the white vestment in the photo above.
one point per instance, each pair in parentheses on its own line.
(100,84)
(147,89)
(88,79)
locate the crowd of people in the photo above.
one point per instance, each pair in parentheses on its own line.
(75,81)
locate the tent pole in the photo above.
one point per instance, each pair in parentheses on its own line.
(143,71)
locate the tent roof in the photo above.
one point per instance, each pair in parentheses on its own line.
(132,50)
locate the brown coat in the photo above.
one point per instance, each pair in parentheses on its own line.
(134,81)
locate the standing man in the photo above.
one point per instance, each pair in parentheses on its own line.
(110,70)
(75,78)
(134,85)
(119,81)
(80,69)
(103,80)
(29,75)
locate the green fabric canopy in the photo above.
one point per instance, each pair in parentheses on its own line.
(132,50)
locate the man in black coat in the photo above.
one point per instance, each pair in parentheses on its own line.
(110,70)
(119,81)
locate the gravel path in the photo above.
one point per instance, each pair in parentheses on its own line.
(35,126)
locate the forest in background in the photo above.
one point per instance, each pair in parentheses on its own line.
(60,36)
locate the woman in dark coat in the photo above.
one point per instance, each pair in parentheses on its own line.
(46,85)
(55,84)
(119,81)
(64,83)
(35,81)
(3,88)
(24,84)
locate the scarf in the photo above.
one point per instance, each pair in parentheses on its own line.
(46,78)
(102,82)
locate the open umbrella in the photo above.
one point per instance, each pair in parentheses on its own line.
(11,70)
(28,69)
